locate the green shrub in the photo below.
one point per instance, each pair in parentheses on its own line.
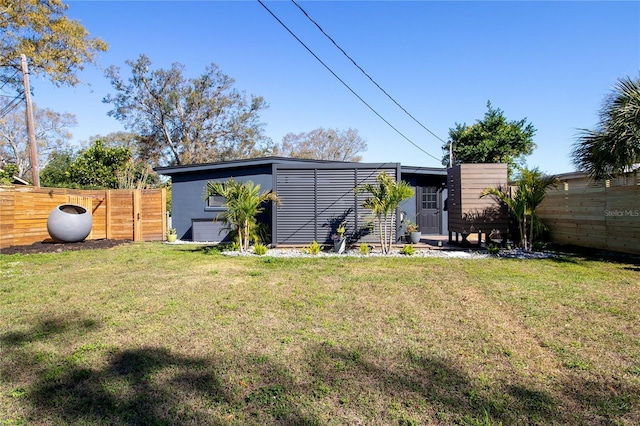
(213,249)
(313,248)
(364,249)
(234,246)
(259,249)
(407,250)
(493,249)
(6,175)
(538,246)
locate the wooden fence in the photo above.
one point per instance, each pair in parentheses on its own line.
(137,215)
(602,217)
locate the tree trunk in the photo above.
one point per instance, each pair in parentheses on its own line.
(531,233)
(392,227)
(245,242)
(173,148)
(381,234)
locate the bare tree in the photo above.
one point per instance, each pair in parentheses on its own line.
(52,134)
(185,121)
(321,144)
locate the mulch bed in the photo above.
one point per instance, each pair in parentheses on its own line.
(55,247)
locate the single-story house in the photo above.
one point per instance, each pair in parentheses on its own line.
(316,195)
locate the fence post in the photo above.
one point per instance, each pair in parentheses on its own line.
(137,219)
(107,209)
(163,207)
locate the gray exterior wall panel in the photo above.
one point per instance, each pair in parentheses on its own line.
(315,195)
(316,200)
(188,191)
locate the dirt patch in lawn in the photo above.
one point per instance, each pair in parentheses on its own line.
(55,247)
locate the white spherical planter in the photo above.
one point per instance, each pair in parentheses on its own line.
(69,223)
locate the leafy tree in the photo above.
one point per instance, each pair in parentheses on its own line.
(169,187)
(385,197)
(614,146)
(56,173)
(493,139)
(7,172)
(184,121)
(51,131)
(55,45)
(244,202)
(98,167)
(323,144)
(523,200)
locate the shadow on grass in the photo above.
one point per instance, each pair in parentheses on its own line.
(148,385)
(454,396)
(46,328)
(458,398)
(577,253)
(155,386)
(143,386)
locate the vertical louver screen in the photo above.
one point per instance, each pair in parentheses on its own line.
(296,215)
(314,201)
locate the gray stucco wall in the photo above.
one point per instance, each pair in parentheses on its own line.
(188,189)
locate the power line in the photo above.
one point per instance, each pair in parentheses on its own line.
(11,105)
(9,79)
(365,73)
(345,84)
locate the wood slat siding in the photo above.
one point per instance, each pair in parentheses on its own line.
(467,212)
(24,212)
(314,199)
(596,217)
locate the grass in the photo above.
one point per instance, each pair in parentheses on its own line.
(164,334)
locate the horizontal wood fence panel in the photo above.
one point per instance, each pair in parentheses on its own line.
(605,218)
(24,212)
(468,212)
(151,215)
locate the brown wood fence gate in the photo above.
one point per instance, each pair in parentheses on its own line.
(138,215)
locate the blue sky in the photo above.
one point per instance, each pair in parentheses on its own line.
(551,62)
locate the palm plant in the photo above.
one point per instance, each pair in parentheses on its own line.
(244,202)
(614,146)
(528,193)
(386,196)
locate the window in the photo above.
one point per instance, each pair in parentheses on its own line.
(215,201)
(429,198)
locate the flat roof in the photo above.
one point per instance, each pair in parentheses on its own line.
(293,162)
(417,170)
(248,162)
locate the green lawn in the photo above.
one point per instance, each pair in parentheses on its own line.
(176,334)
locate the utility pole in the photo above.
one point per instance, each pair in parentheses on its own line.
(33,149)
(450,154)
